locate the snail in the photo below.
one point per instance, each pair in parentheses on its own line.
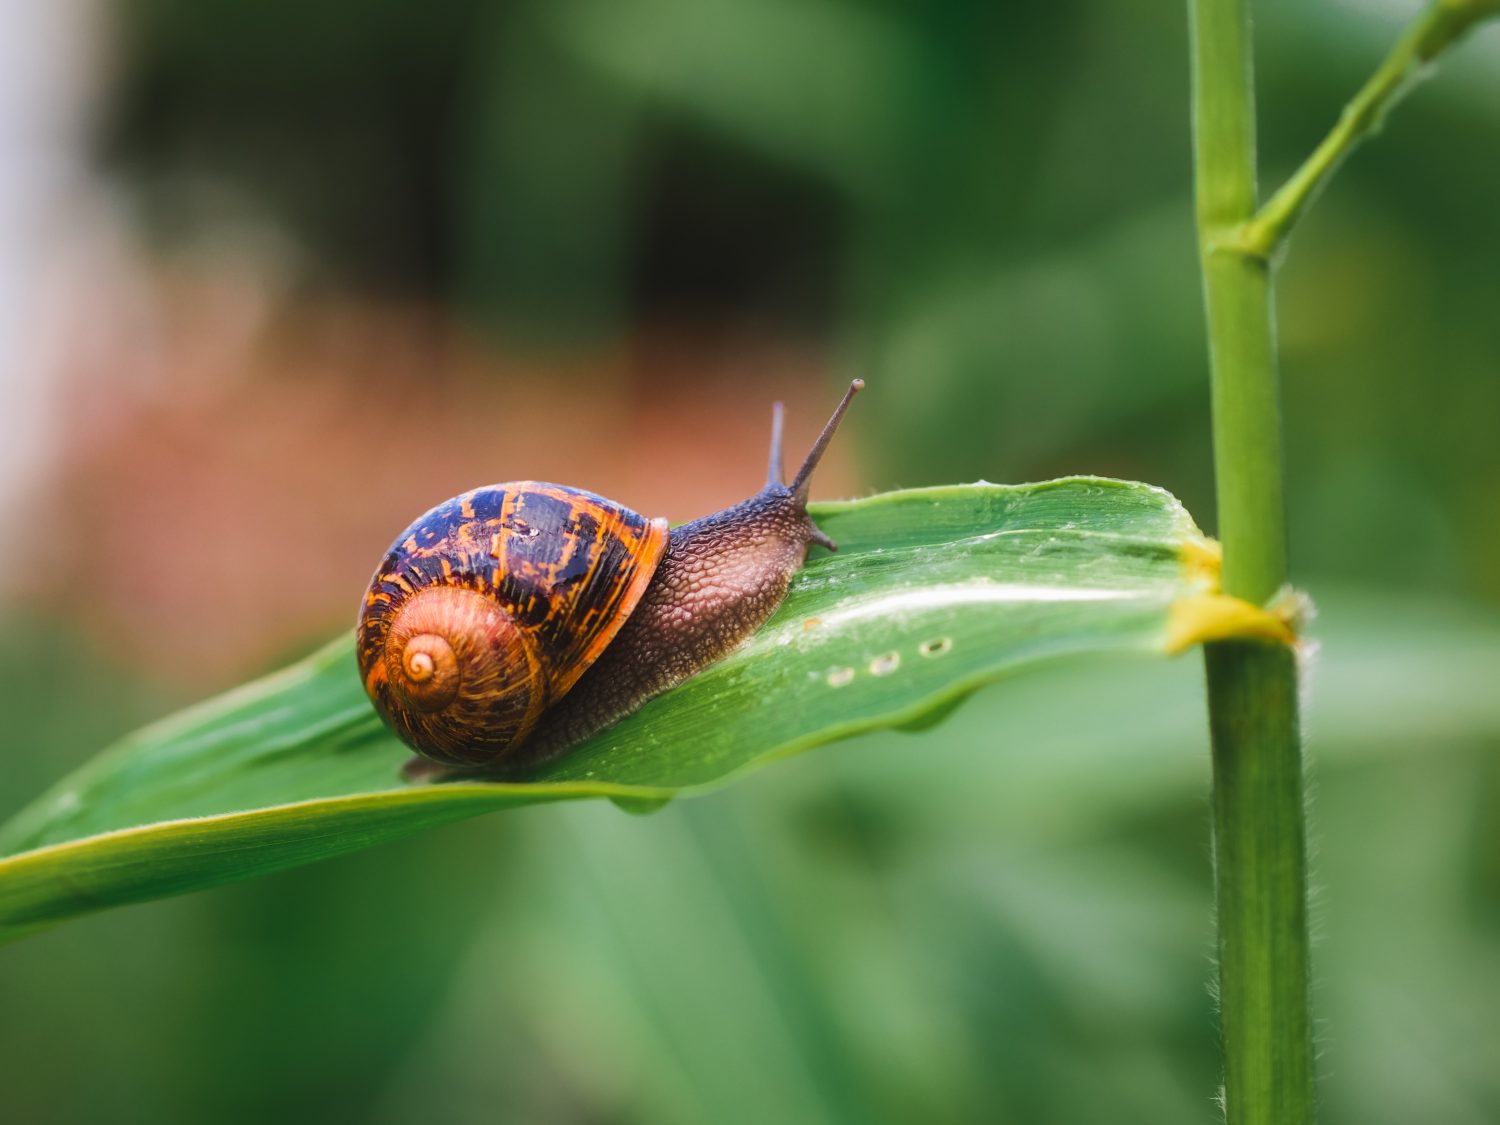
(511,622)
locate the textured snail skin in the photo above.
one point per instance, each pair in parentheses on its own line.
(721,578)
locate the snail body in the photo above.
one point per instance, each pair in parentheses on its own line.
(513,621)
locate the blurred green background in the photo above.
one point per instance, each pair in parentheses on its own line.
(309,267)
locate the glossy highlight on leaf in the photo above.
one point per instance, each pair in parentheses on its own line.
(933,593)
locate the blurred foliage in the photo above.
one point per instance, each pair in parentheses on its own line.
(984,207)
(985,210)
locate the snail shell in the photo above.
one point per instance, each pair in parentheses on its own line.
(489,607)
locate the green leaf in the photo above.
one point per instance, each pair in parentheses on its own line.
(934,593)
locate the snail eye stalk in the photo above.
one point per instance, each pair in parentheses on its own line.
(804,474)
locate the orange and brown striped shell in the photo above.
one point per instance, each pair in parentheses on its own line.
(488,608)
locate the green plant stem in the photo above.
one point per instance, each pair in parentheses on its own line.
(1441,25)
(1261,885)
(1259,834)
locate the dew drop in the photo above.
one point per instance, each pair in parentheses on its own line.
(935,647)
(885,664)
(840,677)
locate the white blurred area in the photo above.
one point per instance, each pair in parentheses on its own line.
(50,208)
(93,326)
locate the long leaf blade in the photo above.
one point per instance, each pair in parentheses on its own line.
(933,593)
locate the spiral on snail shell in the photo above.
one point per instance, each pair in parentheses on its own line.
(464,678)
